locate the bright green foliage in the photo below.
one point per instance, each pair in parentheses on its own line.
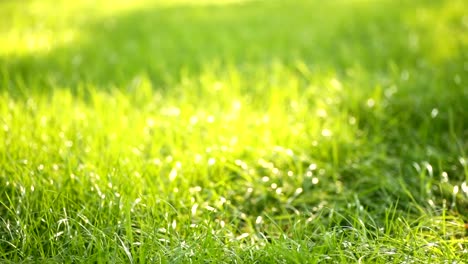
(234,131)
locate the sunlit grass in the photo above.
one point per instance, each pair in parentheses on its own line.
(244,131)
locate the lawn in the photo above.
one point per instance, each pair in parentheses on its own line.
(243,131)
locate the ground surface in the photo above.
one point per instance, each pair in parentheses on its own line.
(236,131)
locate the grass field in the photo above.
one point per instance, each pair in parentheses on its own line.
(234,131)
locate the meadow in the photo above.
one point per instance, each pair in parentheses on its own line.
(237,131)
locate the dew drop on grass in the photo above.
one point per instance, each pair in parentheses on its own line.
(210,208)
(222,200)
(429,168)
(464,187)
(290,173)
(173,174)
(193,120)
(218,86)
(315,180)
(194,209)
(312,166)
(274,185)
(370,103)
(58,234)
(434,113)
(236,105)
(211,161)
(150,122)
(326,133)
(259,220)
(444,177)
(68,143)
(198,158)
(163,240)
(233,141)
(462,161)
(322,113)
(137,201)
(298,191)
(210,119)
(195,189)
(22,190)
(308,174)
(40,167)
(455,189)
(279,190)
(294,105)
(242,236)
(266,164)
(241,164)
(265,178)
(136,151)
(335,83)
(431,202)
(171,111)
(347,244)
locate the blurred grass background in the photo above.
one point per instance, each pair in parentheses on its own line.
(109,44)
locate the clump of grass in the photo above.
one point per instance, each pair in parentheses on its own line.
(179,132)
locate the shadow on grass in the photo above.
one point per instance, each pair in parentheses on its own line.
(167,42)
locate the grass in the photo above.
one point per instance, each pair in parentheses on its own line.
(236,131)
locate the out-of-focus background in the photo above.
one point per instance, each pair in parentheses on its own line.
(110,42)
